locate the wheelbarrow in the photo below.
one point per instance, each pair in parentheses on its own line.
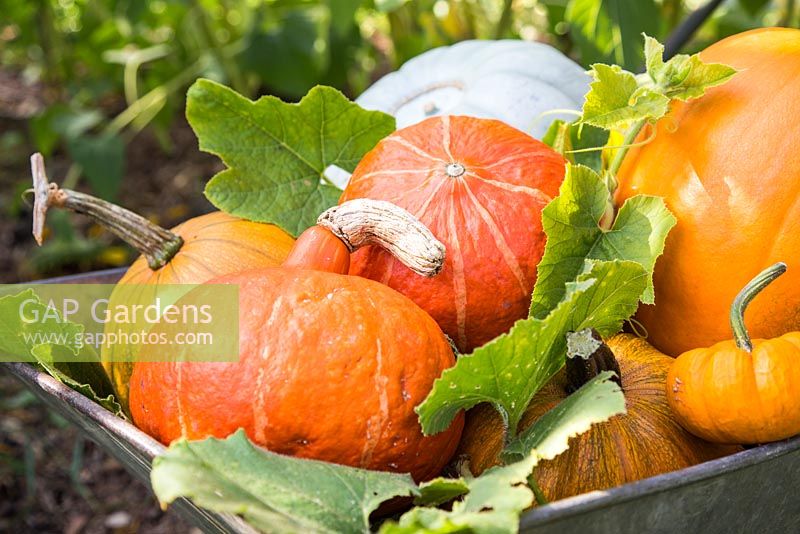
(750,491)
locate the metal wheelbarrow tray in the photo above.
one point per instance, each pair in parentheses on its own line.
(751,491)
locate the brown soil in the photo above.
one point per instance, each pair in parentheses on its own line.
(45,486)
(42,487)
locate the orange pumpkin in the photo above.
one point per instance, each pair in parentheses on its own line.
(740,391)
(191,253)
(331,366)
(727,165)
(643,442)
(480,186)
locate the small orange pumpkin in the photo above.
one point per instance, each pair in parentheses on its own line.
(740,391)
(191,253)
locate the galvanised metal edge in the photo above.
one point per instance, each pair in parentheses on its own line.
(667,482)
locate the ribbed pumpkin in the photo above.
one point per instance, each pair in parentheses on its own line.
(510,80)
(644,442)
(191,253)
(480,186)
(740,390)
(727,165)
(331,366)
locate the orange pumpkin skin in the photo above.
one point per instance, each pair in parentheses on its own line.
(331,367)
(213,244)
(728,166)
(488,217)
(727,395)
(644,442)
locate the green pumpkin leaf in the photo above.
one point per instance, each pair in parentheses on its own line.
(76,366)
(510,369)
(683,77)
(618,98)
(277,153)
(495,500)
(615,99)
(492,506)
(78,376)
(440,490)
(597,401)
(572,224)
(577,142)
(16,335)
(272,491)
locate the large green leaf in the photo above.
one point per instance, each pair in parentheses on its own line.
(509,370)
(275,493)
(494,500)
(598,400)
(277,152)
(52,344)
(608,31)
(572,224)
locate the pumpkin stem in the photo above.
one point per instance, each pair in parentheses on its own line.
(541,500)
(748,293)
(627,143)
(361,222)
(156,244)
(587,357)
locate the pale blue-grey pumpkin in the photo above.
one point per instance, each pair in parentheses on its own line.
(514,81)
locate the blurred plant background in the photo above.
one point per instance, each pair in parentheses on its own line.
(98,86)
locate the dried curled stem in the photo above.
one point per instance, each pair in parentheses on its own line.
(587,357)
(363,222)
(156,244)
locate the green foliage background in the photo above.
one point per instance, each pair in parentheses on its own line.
(108,69)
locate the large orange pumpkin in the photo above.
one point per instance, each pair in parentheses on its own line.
(191,253)
(728,166)
(331,366)
(480,186)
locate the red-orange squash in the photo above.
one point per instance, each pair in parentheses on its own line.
(480,186)
(193,252)
(728,166)
(331,367)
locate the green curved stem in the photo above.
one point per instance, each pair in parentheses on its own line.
(541,500)
(753,288)
(627,143)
